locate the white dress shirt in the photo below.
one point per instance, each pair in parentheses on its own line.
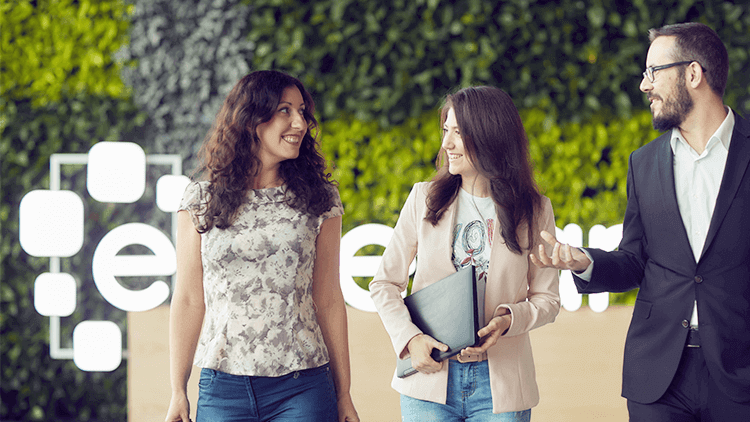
(697,178)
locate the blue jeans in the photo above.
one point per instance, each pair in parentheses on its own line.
(307,395)
(469,399)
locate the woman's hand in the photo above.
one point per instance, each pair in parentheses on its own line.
(489,335)
(420,347)
(347,413)
(179,409)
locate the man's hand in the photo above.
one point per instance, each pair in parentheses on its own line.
(563,256)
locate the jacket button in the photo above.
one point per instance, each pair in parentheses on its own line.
(685,323)
(698,279)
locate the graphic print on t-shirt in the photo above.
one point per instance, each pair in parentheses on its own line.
(471,245)
(472,233)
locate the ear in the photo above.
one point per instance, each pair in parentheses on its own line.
(694,75)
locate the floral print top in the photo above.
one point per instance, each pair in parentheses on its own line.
(257,284)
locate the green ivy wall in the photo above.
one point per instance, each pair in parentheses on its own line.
(389,60)
(61,92)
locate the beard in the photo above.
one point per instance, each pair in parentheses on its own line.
(674,110)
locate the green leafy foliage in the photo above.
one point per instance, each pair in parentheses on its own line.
(581,167)
(377,71)
(188,56)
(376,168)
(389,60)
(35,386)
(55,48)
(61,92)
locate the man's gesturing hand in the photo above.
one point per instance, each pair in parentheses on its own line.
(563,256)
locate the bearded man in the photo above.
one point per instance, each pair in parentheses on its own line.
(686,241)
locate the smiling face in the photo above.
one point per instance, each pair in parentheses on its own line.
(670,101)
(281,137)
(459,162)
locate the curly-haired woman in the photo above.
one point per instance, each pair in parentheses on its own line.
(257,267)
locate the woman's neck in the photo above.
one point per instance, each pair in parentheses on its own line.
(267,179)
(477,186)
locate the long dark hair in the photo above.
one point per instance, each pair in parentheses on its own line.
(496,143)
(229,155)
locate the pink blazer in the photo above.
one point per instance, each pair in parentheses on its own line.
(513,283)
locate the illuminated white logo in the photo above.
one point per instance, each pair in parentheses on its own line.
(51,225)
(599,237)
(362,266)
(106,265)
(378,234)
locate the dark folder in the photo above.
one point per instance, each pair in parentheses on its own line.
(450,311)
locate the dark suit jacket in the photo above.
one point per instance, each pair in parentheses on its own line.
(655,255)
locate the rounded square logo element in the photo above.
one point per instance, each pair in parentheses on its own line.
(169,191)
(97,346)
(51,223)
(116,172)
(55,294)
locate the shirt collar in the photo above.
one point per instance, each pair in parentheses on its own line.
(723,134)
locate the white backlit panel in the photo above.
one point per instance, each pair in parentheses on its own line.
(362,266)
(571,300)
(97,346)
(55,294)
(51,223)
(116,172)
(169,191)
(607,239)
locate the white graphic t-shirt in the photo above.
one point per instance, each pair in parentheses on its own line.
(472,235)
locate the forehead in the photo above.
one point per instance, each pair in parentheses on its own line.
(292,95)
(450,118)
(659,52)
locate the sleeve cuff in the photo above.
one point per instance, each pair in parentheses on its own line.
(586,274)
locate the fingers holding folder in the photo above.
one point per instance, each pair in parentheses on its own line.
(490,334)
(420,347)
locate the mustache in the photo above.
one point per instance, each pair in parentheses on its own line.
(651,96)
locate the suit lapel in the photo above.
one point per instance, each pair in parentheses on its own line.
(665,169)
(665,178)
(737,162)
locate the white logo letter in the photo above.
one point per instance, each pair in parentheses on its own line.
(107,265)
(362,266)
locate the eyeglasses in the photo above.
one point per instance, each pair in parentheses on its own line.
(649,72)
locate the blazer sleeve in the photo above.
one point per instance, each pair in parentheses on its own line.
(392,276)
(620,270)
(543,295)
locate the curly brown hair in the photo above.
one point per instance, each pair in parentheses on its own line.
(495,140)
(229,155)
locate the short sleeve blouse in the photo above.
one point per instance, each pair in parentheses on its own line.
(257,283)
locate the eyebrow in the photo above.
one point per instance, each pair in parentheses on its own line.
(287,102)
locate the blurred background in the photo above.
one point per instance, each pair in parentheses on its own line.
(74,73)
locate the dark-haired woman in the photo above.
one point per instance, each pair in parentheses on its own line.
(482,209)
(257,267)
